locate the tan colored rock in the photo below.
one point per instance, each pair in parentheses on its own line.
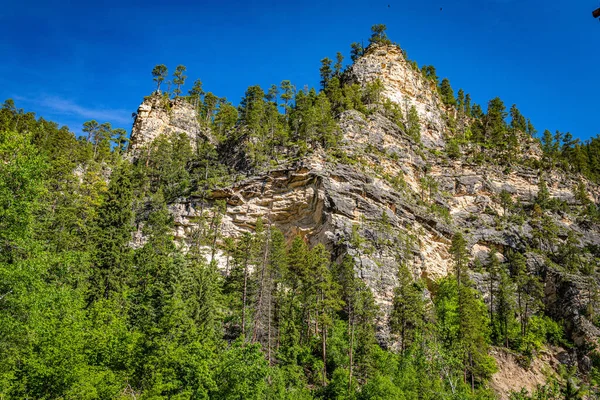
(513,376)
(404,85)
(160,115)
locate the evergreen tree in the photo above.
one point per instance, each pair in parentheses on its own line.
(378,35)
(209,106)
(505,308)
(159,73)
(196,93)
(461,102)
(287,94)
(413,125)
(339,64)
(119,138)
(406,318)
(543,195)
(447,93)
(179,79)
(517,120)
(325,72)
(468,105)
(356,51)
(459,253)
(495,125)
(112,255)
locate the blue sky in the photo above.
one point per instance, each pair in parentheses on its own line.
(75,61)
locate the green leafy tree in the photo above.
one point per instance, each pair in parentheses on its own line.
(241,373)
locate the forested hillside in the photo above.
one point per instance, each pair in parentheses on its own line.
(378,237)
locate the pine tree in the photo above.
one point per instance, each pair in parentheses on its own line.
(543,195)
(339,64)
(407,315)
(447,93)
(326,299)
(461,102)
(179,79)
(356,51)
(413,125)
(505,308)
(495,125)
(112,255)
(493,269)
(159,73)
(287,94)
(468,105)
(378,35)
(325,72)
(196,93)
(459,252)
(517,120)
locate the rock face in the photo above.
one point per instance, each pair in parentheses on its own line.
(159,115)
(512,374)
(390,198)
(406,86)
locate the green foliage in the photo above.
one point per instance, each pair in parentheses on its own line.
(356,51)
(378,35)
(111,259)
(179,79)
(413,125)
(159,73)
(447,93)
(85,315)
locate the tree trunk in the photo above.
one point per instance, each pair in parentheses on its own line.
(324,342)
(351,350)
(244,296)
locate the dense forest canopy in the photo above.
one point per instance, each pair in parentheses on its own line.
(86,315)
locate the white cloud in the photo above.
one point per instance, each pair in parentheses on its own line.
(64,106)
(60,106)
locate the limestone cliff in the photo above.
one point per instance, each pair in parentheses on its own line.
(405,86)
(424,195)
(160,115)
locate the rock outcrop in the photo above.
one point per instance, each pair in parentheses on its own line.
(405,85)
(160,115)
(402,199)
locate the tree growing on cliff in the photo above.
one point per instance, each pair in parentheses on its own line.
(339,64)
(196,93)
(356,51)
(325,72)
(378,35)
(447,93)
(287,94)
(159,73)
(413,125)
(179,79)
